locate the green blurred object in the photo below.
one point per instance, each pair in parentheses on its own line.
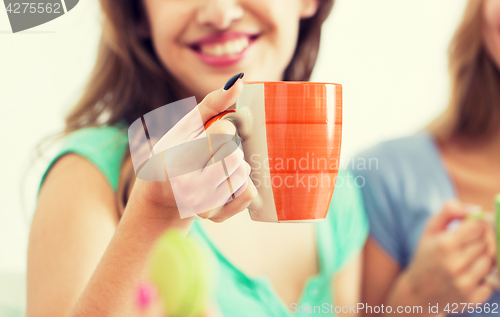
(476,216)
(181,270)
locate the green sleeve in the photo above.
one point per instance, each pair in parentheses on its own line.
(103,146)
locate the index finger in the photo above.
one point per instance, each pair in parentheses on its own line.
(219,100)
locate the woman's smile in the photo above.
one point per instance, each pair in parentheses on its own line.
(202,43)
(223,49)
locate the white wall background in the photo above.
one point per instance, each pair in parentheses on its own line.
(390,56)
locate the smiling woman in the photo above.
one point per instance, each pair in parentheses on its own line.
(143,65)
(95,222)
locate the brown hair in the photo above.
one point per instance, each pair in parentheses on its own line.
(474,107)
(128,80)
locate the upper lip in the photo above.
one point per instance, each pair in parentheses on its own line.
(221,38)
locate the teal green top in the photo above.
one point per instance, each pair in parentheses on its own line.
(340,236)
(103,146)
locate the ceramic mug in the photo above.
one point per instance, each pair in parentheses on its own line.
(291,136)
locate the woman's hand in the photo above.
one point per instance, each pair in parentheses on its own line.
(204,169)
(451,266)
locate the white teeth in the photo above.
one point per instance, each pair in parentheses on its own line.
(227,48)
(242,44)
(219,50)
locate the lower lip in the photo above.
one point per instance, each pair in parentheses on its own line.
(223,60)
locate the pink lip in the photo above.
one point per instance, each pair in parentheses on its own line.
(223,60)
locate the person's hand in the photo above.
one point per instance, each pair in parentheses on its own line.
(451,266)
(149,304)
(207,174)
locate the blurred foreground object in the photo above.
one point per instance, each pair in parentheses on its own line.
(183,274)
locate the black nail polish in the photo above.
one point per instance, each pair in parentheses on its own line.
(233,80)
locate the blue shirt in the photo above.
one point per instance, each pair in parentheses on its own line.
(404,183)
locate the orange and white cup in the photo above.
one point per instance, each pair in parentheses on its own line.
(291,136)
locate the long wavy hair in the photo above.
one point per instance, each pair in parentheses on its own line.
(128,80)
(474,107)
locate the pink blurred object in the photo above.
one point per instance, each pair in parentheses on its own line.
(145,294)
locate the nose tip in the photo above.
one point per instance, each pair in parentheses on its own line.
(219,14)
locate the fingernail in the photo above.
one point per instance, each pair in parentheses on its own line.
(145,294)
(233,80)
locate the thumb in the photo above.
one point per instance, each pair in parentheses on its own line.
(451,211)
(219,100)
